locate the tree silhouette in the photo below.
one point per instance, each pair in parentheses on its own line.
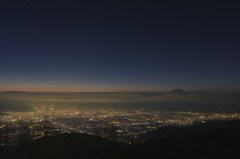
(48,128)
(4,138)
(24,134)
(113,133)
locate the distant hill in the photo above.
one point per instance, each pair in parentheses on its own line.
(4,114)
(179,90)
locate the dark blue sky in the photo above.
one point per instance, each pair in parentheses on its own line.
(116,46)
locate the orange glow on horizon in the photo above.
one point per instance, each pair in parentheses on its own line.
(31,88)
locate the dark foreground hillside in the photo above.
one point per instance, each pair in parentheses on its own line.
(216,139)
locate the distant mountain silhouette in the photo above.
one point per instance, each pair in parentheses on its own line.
(215,139)
(179,90)
(3,114)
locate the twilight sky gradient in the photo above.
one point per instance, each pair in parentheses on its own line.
(72,45)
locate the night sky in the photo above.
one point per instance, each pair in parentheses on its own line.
(75,45)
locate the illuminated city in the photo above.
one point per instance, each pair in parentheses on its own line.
(129,124)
